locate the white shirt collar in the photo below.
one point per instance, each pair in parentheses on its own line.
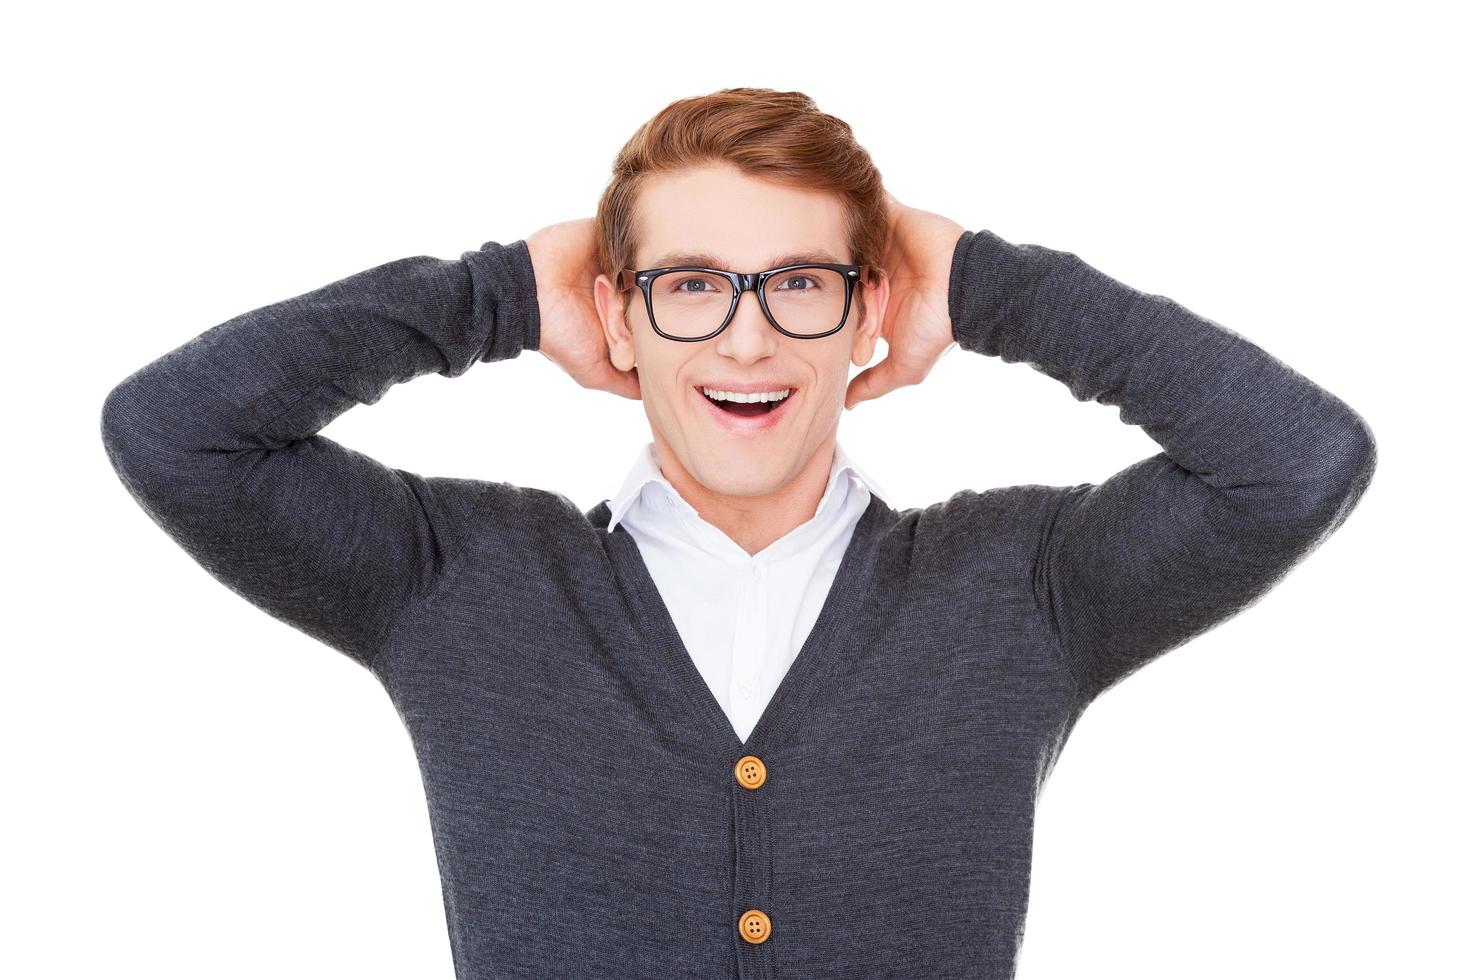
(646,470)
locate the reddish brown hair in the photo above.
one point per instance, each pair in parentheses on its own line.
(764,133)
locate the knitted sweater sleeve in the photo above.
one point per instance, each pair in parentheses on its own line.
(217,440)
(1258,464)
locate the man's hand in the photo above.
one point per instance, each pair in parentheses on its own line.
(565,263)
(919,247)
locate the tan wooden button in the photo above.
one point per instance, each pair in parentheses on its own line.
(755,926)
(750,771)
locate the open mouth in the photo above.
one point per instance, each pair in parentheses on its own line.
(745,409)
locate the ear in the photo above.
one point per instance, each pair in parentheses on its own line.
(610,304)
(867,334)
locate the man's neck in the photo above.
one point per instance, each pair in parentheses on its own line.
(754,521)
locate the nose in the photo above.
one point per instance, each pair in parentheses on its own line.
(748,319)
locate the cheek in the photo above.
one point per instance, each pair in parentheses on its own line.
(831,377)
(665,395)
(667,400)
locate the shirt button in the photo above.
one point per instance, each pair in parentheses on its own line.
(756,573)
(744,691)
(755,926)
(751,773)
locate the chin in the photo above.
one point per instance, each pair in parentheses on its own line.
(731,474)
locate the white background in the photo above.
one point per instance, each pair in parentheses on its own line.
(193,789)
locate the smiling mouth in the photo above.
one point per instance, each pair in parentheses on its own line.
(746,409)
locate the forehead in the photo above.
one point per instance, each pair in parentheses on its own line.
(718,216)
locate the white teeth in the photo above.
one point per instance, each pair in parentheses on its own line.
(756,396)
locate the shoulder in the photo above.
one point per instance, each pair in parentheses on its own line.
(1011,513)
(992,533)
(526,517)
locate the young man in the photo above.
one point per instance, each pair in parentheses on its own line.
(745,719)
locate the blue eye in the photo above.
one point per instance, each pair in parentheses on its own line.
(700,284)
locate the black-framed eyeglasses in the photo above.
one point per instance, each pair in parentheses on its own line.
(692,303)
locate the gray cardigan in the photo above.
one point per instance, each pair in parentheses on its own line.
(594,813)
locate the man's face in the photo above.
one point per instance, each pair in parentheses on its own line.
(747,225)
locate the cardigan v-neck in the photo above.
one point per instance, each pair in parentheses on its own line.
(742,618)
(806,675)
(593,812)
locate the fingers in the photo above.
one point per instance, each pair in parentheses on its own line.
(609,378)
(872,382)
(881,379)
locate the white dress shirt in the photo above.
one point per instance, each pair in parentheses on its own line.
(743,618)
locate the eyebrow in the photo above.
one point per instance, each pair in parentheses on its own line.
(706,260)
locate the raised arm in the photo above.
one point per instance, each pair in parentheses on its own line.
(217,440)
(1259,464)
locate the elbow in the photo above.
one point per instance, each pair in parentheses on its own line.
(1363,452)
(117,435)
(131,424)
(1350,456)
(116,421)
(1345,461)
(120,419)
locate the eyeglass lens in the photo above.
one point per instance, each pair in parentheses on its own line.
(805,301)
